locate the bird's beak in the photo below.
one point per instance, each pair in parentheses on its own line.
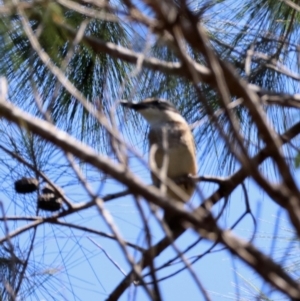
(133,105)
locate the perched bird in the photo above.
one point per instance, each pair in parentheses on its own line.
(170,136)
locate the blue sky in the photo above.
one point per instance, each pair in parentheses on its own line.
(69,265)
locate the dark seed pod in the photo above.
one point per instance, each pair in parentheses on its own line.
(49,202)
(26,185)
(47,189)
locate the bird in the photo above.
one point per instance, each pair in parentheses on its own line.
(169,135)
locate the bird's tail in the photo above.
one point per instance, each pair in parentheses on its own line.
(172,220)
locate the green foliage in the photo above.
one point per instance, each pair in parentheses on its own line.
(268,27)
(96,75)
(297,160)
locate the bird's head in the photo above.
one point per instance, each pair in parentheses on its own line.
(156,111)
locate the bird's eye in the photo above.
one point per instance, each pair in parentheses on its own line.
(155,102)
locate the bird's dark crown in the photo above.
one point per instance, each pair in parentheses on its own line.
(155,103)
